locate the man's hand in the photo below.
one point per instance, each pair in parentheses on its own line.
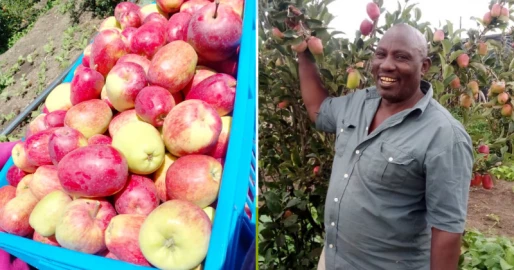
(445,251)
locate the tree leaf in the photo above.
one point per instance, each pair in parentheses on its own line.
(327,74)
(290,220)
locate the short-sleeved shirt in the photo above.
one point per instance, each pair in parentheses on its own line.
(388,188)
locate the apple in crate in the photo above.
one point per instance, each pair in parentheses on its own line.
(127,14)
(99,139)
(176,28)
(175,235)
(59,98)
(63,141)
(123,83)
(93,171)
(45,240)
(173,66)
(236,5)
(44,181)
(124,7)
(218,90)
(86,84)
(159,177)
(106,49)
(55,118)
(142,146)
(87,54)
(195,178)
(169,6)
(136,59)
(14,175)
(6,194)
(24,184)
(215,32)
(122,119)
(83,223)
(153,104)
(220,151)
(193,6)
(89,117)
(19,157)
(109,23)
(122,238)
(105,98)
(148,39)
(36,148)
(14,215)
(36,125)
(191,127)
(139,196)
(48,212)
(210,211)
(148,9)
(156,18)
(126,35)
(201,73)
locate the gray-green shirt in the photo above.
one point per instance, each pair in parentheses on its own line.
(388,188)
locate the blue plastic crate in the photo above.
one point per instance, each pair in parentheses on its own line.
(233,231)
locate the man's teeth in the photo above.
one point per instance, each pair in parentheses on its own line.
(387,79)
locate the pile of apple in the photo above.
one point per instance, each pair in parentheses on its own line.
(126,160)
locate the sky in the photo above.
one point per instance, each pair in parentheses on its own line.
(350,13)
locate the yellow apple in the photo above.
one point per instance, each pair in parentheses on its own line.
(142,146)
(149,9)
(59,98)
(19,158)
(210,212)
(48,212)
(109,23)
(24,185)
(159,177)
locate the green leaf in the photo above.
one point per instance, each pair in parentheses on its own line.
(417,14)
(327,74)
(478,67)
(449,27)
(447,45)
(293,202)
(273,202)
(438,87)
(279,16)
(445,98)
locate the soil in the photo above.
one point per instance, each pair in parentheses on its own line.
(490,211)
(49,27)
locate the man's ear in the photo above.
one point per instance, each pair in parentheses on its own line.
(427,63)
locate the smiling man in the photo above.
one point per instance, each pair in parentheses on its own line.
(398,192)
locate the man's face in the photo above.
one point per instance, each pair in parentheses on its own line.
(398,65)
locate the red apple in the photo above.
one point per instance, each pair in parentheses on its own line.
(89,117)
(122,119)
(201,73)
(44,181)
(86,84)
(373,11)
(153,104)
(159,177)
(139,196)
(83,224)
(7,193)
(148,39)
(46,240)
(55,118)
(122,238)
(215,38)
(228,66)
(496,10)
(63,141)
(315,170)
(149,9)
(109,23)
(195,178)
(106,49)
(169,6)
(366,27)
(36,148)
(20,160)
(105,98)
(218,90)
(24,184)
(14,215)
(87,54)
(137,59)
(14,175)
(93,171)
(220,151)
(487,18)
(126,36)
(124,7)
(173,66)
(176,29)
(191,127)
(130,19)
(123,83)
(36,125)
(192,6)
(99,139)
(438,36)
(483,149)
(178,97)
(156,18)
(45,109)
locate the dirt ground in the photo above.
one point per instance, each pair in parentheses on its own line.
(48,31)
(490,211)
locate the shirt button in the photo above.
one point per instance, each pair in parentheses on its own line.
(390,159)
(333,224)
(336,199)
(366,128)
(331,246)
(357,152)
(342,130)
(345,175)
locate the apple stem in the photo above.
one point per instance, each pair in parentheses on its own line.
(96,209)
(216,10)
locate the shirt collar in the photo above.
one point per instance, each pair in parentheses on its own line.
(426,88)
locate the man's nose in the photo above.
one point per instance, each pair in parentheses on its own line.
(388,64)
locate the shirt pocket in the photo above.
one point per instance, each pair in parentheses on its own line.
(344,132)
(397,165)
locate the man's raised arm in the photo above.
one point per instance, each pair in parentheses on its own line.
(313,92)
